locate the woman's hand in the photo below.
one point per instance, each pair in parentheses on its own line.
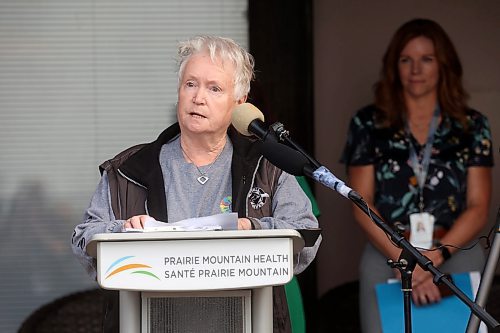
(424,290)
(137,222)
(244,224)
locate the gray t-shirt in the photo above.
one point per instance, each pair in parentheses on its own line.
(186,197)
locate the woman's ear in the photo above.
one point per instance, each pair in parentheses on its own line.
(242,100)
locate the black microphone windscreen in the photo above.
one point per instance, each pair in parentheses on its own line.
(284,157)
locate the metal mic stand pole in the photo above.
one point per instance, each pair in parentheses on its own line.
(406,265)
(486,278)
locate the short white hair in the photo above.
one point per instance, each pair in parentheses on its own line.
(224,49)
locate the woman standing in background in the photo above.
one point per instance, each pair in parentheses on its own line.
(420,156)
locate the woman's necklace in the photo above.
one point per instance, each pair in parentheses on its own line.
(203,178)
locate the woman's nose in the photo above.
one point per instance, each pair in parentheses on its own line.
(415,67)
(199,97)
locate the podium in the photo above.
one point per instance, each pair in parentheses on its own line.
(218,281)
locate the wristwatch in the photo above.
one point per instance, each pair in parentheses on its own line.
(444,251)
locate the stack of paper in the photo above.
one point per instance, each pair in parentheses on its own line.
(225,221)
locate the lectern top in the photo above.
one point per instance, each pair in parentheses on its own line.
(298,241)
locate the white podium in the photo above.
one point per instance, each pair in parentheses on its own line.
(220,281)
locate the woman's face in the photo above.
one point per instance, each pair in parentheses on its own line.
(206,95)
(419,68)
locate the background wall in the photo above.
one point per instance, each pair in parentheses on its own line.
(350,38)
(80,81)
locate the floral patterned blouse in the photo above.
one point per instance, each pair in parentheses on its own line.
(396,189)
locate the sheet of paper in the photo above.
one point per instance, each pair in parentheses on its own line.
(224,221)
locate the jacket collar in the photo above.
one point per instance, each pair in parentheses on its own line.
(144,168)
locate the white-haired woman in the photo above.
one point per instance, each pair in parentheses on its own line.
(200,165)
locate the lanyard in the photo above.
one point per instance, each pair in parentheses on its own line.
(421,168)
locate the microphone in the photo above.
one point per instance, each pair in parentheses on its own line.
(248,121)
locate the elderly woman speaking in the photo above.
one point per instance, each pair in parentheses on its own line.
(200,166)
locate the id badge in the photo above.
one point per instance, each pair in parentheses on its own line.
(422,230)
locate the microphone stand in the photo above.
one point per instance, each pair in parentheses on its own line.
(409,257)
(486,278)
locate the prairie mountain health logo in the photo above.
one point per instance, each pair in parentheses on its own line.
(133,268)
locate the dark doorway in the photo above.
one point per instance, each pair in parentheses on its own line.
(281,40)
